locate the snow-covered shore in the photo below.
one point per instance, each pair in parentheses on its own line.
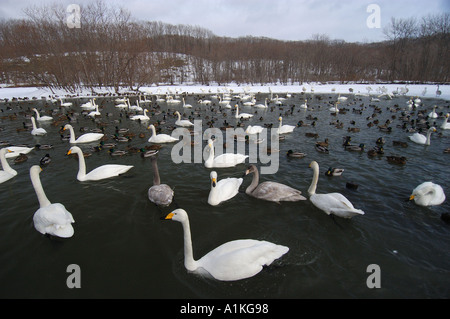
(421,90)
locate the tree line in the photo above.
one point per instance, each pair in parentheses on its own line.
(112,49)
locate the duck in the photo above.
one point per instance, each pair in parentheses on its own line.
(160,138)
(334,171)
(51,218)
(428,194)
(223,160)
(223,190)
(114,152)
(84,138)
(142,118)
(40,118)
(283,129)
(7,173)
(331,203)
(99,173)
(375,151)
(231,261)
(291,153)
(242,115)
(21,158)
(271,191)
(159,194)
(37,131)
(445,125)
(422,139)
(400,143)
(355,148)
(149,153)
(182,123)
(321,149)
(45,160)
(324,143)
(401,160)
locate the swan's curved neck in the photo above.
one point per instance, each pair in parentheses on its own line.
(428,137)
(179,116)
(254,183)
(189,261)
(34,123)
(38,116)
(72,135)
(35,180)
(313,186)
(153,131)
(211,154)
(5,163)
(81,165)
(156,179)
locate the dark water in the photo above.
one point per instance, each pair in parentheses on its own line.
(124,250)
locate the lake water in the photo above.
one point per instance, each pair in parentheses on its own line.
(124,249)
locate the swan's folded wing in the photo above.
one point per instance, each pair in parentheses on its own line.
(54,214)
(276,192)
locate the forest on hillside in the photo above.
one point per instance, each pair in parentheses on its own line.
(112,49)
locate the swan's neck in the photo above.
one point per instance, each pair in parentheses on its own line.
(72,135)
(38,116)
(254,183)
(281,123)
(153,131)
(81,165)
(179,116)
(189,261)
(5,163)
(428,137)
(211,154)
(156,179)
(313,186)
(34,123)
(43,200)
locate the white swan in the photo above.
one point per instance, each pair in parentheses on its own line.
(15,151)
(43,118)
(125,103)
(183,123)
(160,194)
(331,203)
(7,173)
(65,104)
(234,260)
(95,113)
(223,160)
(101,172)
(422,139)
(186,105)
(142,118)
(255,129)
(136,107)
(53,219)
(171,100)
(428,194)
(262,106)
(304,105)
(335,108)
(160,138)
(445,125)
(37,130)
(284,129)
(433,113)
(242,115)
(223,190)
(85,138)
(90,106)
(271,191)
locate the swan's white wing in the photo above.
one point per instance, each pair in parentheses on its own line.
(276,192)
(54,219)
(418,138)
(229,159)
(106,171)
(89,137)
(228,187)
(335,203)
(160,194)
(240,259)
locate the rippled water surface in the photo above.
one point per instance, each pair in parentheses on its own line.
(125,250)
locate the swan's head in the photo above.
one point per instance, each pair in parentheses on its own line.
(178,215)
(432,129)
(210,143)
(151,127)
(35,169)
(280,118)
(447,115)
(213,177)
(250,169)
(314,165)
(67,126)
(73,149)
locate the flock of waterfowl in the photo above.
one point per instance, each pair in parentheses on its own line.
(236,259)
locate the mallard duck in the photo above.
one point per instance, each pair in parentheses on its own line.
(43,146)
(115,152)
(145,153)
(321,149)
(21,158)
(312,135)
(45,160)
(400,143)
(291,153)
(355,148)
(375,151)
(401,160)
(334,171)
(324,143)
(380,140)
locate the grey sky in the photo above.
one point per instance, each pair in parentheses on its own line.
(278,19)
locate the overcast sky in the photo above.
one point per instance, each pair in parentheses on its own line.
(278,19)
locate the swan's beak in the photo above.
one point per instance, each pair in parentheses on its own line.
(411,197)
(69,152)
(214,182)
(169,216)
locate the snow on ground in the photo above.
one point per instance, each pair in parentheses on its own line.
(421,90)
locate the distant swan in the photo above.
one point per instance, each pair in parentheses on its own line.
(85,138)
(271,191)
(142,118)
(223,190)
(7,173)
(433,113)
(234,260)
(160,194)
(242,115)
(101,172)
(40,118)
(422,139)
(428,194)
(331,203)
(183,123)
(186,105)
(160,138)
(283,129)
(53,219)
(256,129)
(223,160)
(445,125)
(37,130)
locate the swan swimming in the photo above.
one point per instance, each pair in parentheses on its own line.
(422,139)
(85,138)
(160,194)
(284,129)
(37,130)
(331,203)
(142,118)
(428,194)
(223,160)
(183,123)
(53,219)
(101,172)
(223,190)
(7,173)
(271,191)
(242,115)
(40,118)
(160,138)
(445,125)
(234,260)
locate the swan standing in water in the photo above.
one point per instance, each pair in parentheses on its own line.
(223,190)
(53,219)
(7,173)
(433,113)
(445,125)
(160,138)
(428,194)
(142,118)
(186,105)
(183,123)
(223,160)
(101,172)
(242,115)
(422,139)
(271,191)
(37,130)
(85,138)
(160,194)
(331,203)
(40,118)
(284,129)
(234,260)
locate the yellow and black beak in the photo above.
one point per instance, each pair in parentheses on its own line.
(169,216)
(69,152)
(411,197)
(214,182)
